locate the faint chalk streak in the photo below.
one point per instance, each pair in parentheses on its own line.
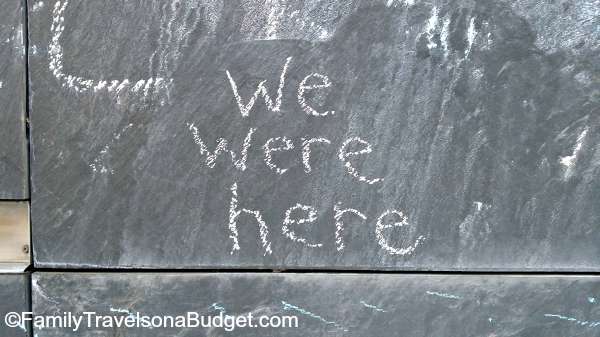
(287,306)
(589,324)
(370,306)
(444,295)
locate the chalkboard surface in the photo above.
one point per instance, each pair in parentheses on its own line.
(14,297)
(330,305)
(13,150)
(441,135)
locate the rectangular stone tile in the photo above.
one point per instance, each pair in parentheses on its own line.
(13,142)
(406,135)
(14,298)
(328,304)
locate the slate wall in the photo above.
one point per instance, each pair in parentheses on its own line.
(14,298)
(467,129)
(333,305)
(14,173)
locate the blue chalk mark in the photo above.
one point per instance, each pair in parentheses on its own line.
(444,295)
(591,299)
(573,320)
(287,306)
(218,307)
(370,306)
(119,310)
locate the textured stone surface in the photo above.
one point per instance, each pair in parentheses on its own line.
(333,305)
(14,297)
(482,117)
(13,148)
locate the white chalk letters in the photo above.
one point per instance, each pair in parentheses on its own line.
(260,91)
(302,218)
(300,214)
(235,212)
(275,105)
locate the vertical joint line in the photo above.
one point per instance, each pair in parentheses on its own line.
(29,275)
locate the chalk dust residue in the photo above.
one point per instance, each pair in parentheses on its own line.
(100,164)
(292,20)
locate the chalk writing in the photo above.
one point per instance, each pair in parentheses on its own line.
(381,238)
(221,147)
(287,145)
(344,154)
(349,152)
(312,216)
(304,86)
(260,91)
(81,84)
(339,225)
(234,213)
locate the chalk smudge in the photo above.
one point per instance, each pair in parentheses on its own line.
(569,161)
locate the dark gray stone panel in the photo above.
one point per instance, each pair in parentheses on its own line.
(482,118)
(14,297)
(332,305)
(13,141)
